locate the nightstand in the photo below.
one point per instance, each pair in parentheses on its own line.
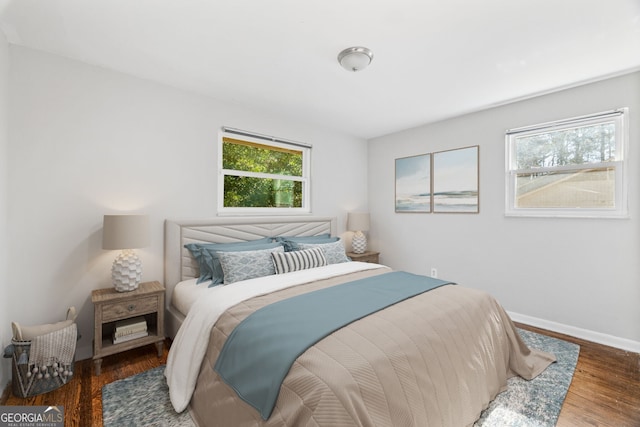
(110,306)
(368,256)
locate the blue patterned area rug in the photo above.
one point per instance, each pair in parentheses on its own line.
(535,403)
(143,400)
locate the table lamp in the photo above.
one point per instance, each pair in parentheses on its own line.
(125,232)
(358,222)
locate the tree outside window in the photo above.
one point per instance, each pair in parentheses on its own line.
(260,175)
(571,168)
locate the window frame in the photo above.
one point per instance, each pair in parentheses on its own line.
(620,165)
(268,141)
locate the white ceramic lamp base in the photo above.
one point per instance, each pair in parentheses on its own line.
(359,243)
(126,271)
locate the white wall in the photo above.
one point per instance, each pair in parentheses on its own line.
(85,141)
(576,273)
(5,336)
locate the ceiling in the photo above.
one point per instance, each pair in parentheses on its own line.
(433,59)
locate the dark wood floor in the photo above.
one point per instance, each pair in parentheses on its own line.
(605,390)
(82,397)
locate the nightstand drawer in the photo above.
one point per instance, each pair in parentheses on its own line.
(368,256)
(117,311)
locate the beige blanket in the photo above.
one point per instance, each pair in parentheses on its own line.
(436,359)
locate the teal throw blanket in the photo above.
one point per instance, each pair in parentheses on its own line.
(261,349)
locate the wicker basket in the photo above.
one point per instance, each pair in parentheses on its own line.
(29,378)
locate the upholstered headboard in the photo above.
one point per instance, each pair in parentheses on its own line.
(180,265)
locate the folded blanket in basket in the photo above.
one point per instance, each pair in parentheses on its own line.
(55,347)
(44,363)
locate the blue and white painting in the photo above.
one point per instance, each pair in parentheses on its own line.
(455,180)
(413,184)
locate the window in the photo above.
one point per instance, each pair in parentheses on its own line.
(568,168)
(260,174)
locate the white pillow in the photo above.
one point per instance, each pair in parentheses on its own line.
(27,333)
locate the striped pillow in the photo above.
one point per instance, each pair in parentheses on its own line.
(286,262)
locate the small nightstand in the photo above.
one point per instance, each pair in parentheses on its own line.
(368,256)
(110,306)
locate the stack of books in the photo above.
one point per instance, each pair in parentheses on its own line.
(130,329)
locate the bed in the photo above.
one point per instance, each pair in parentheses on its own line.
(180,268)
(436,357)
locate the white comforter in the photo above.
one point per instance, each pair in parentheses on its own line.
(191,341)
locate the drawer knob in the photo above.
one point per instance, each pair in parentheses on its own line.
(131,307)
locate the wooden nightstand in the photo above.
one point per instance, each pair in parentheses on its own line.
(368,256)
(110,306)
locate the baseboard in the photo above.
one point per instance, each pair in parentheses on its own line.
(585,334)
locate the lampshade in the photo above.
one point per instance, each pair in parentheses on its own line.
(355,58)
(358,221)
(125,231)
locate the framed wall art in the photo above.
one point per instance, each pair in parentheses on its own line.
(456,181)
(413,184)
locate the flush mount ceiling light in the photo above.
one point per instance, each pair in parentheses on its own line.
(355,58)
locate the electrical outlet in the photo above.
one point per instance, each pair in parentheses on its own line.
(434,272)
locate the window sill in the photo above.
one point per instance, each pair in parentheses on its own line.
(264,212)
(569,215)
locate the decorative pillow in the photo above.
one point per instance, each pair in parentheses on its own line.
(334,251)
(213,258)
(244,265)
(208,263)
(286,262)
(291,242)
(27,333)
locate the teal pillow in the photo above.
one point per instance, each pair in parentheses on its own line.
(196,252)
(208,263)
(291,243)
